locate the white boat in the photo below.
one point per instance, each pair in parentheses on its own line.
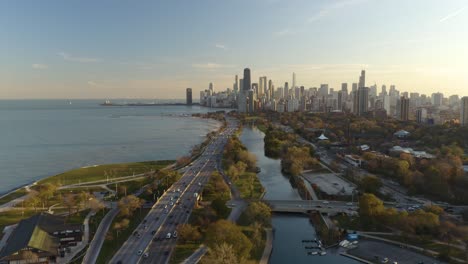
(323,253)
(314,252)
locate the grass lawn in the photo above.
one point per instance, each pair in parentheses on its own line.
(112,243)
(11,196)
(14,216)
(245,183)
(100,172)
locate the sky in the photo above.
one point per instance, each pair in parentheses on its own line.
(156,49)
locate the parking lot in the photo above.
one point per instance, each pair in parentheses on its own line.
(329,183)
(376,251)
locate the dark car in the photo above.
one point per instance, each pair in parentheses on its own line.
(153,232)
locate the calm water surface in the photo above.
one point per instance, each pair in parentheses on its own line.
(39,138)
(290,229)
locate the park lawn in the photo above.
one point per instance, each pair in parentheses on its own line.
(130,186)
(14,216)
(101,172)
(112,243)
(13,195)
(245,183)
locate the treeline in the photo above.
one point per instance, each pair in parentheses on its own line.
(441,178)
(294,157)
(424,222)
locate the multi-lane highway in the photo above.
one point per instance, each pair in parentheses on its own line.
(154,239)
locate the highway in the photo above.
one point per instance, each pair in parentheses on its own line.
(151,242)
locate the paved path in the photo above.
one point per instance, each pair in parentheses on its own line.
(268,247)
(99,237)
(196,256)
(81,245)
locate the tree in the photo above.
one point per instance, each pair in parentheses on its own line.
(122,225)
(188,233)
(371,184)
(258,212)
(224,231)
(370,207)
(222,254)
(129,204)
(96,205)
(69,201)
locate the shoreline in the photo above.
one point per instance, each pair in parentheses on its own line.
(41,178)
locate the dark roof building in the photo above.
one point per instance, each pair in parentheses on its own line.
(39,239)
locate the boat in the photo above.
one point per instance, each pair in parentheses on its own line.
(314,252)
(323,253)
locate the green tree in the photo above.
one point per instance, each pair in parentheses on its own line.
(370,208)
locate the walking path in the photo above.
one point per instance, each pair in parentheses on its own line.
(268,246)
(82,245)
(98,239)
(196,256)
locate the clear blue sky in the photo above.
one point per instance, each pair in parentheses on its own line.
(155,49)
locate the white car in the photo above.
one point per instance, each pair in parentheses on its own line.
(139,252)
(326,202)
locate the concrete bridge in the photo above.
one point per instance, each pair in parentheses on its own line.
(304,206)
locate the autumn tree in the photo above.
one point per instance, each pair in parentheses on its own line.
(223,253)
(258,212)
(188,233)
(224,231)
(129,204)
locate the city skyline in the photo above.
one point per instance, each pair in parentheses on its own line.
(118,50)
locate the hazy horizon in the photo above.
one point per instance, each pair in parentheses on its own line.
(109,49)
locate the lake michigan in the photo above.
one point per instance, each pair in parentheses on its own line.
(40,138)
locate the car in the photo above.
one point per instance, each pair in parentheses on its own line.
(385,260)
(139,252)
(157,218)
(145,226)
(144,221)
(155,239)
(326,202)
(168,235)
(349,203)
(153,232)
(166,253)
(146,255)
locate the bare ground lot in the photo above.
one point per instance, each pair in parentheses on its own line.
(329,183)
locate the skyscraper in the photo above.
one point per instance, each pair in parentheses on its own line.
(286,90)
(354,87)
(236,84)
(362,79)
(437,99)
(294,81)
(464,111)
(344,88)
(188,95)
(246,79)
(363,100)
(404,108)
(210,87)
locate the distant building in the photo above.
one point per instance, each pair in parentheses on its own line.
(421,115)
(363,100)
(402,134)
(464,111)
(247,84)
(362,79)
(189,96)
(404,108)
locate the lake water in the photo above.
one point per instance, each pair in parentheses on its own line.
(290,229)
(40,138)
